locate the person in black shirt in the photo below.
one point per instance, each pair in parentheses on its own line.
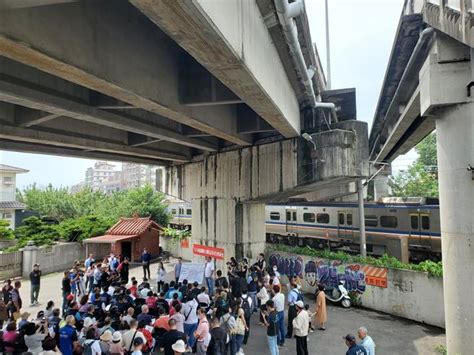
(221,281)
(35,277)
(145,259)
(218,338)
(66,288)
(354,349)
(271,320)
(170,337)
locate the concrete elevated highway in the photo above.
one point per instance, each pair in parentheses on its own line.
(218,91)
(429,84)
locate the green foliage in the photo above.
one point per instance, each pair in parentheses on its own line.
(387,261)
(441,349)
(74,230)
(5,231)
(178,234)
(84,214)
(58,203)
(415,181)
(33,229)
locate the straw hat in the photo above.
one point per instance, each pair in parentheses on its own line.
(117,336)
(106,336)
(179,346)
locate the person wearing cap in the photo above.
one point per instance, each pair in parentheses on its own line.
(138,344)
(354,349)
(35,277)
(105,341)
(179,347)
(366,341)
(301,327)
(116,344)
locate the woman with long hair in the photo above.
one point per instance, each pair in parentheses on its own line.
(321,311)
(160,276)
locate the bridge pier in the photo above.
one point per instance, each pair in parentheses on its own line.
(444,98)
(455,132)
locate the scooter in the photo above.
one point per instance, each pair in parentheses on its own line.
(339,294)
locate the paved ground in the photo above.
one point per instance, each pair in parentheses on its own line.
(392,335)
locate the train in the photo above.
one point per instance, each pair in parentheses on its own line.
(407,228)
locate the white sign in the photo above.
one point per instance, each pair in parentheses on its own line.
(192,272)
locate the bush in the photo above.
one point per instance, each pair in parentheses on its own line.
(390,262)
(5,231)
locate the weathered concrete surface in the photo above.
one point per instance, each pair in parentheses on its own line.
(230,39)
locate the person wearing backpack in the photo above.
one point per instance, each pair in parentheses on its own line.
(247,306)
(271,321)
(293,296)
(91,345)
(190,319)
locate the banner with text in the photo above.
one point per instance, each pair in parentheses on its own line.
(192,272)
(216,253)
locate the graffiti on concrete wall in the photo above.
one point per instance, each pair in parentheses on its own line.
(329,273)
(289,266)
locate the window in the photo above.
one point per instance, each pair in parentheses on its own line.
(309,217)
(294,216)
(414,222)
(181,210)
(173,211)
(322,218)
(275,216)
(425,222)
(371,221)
(288,215)
(7,215)
(389,221)
(349,219)
(341,218)
(189,212)
(7,180)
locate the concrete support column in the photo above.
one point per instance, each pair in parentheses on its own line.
(455,139)
(224,223)
(29,259)
(381,187)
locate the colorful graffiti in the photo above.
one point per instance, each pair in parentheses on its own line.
(289,266)
(329,273)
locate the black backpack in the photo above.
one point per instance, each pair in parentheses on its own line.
(246,307)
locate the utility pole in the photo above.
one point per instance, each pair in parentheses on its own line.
(362,240)
(328,49)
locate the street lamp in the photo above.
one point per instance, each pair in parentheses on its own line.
(314,152)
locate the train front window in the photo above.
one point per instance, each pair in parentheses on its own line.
(349,219)
(322,218)
(341,218)
(425,222)
(371,221)
(414,222)
(309,217)
(389,221)
(275,216)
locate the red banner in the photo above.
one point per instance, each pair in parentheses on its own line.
(216,253)
(185,243)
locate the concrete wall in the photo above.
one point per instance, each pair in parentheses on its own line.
(409,294)
(10,265)
(7,188)
(53,258)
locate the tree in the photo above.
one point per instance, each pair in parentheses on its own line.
(416,180)
(5,231)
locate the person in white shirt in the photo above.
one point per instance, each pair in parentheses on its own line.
(160,276)
(190,319)
(301,327)
(366,341)
(203,298)
(263,297)
(91,343)
(209,275)
(279,303)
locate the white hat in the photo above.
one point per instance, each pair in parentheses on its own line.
(88,322)
(299,304)
(179,346)
(116,337)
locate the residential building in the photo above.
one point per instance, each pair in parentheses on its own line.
(9,206)
(96,175)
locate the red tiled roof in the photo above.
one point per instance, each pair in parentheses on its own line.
(108,238)
(133,226)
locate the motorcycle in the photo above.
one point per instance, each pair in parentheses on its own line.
(339,294)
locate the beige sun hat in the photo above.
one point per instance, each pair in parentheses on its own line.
(106,336)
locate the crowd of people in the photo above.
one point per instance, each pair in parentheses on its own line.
(104,312)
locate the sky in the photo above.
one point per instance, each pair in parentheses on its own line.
(361,34)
